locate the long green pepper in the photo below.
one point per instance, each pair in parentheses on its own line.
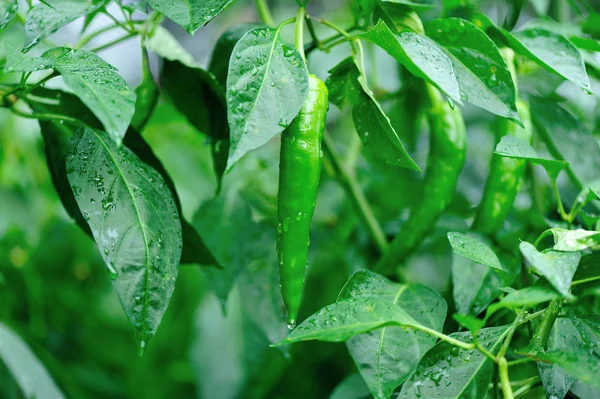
(447,152)
(299,174)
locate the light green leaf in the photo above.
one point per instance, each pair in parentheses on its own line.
(449,372)
(98,84)
(386,356)
(25,367)
(47,17)
(266,87)
(344,319)
(482,74)
(16,61)
(472,247)
(135,222)
(514,147)
(528,297)
(568,139)
(190,14)
(557,267)
(8,10)
(585,391)
(419,55)
(576,362)
(163,43)
(589,329)
(575,240)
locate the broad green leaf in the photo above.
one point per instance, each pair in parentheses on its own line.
(344,319)
(474,248)
(575,240)
(449,372)
(567,138)
(8,10)
(562,337)
(471,323)
(585,391)
(419,55)
(267,83)
(348,84)
(578,363)
(386,356)
(98,84)
(557,267)
(190,14)
(135,222)
(25,367)
(589,329)
(16,61)
(163,43)
(219,60)
(482,74)
(514,147)
(351,387)
(47,17)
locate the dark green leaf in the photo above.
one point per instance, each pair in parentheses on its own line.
(267,83)
(482,74)
(98,84)
(190,14)
(449,372)
(528,297)
(589,329)
(135,223)
(352,387)
(419,55)
(578,363)
(27,370)
(8,10)
(386,356)
(474,248)
(557,267)
(575,240)
(47,17)
(344,319)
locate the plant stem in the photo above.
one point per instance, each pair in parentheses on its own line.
(541,237)
(561,209)
(520,361)
(444,337)
(46,117)
(487,353)
(312,31)
(349,182)
(299,32)
(314,45)
(505,379)
(264,12)
(114,42)
(540,337)
(86,39)
(511,333)
(585,280)
(525,388)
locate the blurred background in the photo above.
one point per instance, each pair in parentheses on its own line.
(56,294)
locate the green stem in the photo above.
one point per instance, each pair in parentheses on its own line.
(487,353)
(561,209)
(264,12)
(312,31)
(541,237)
(86,39)
(526,388)
(349,182)
(47,117)
(299,32)
(505,379)
(520,361)
(511,333)
(444,337)
(542,333)
(114,42)
(585,280)
(319,45)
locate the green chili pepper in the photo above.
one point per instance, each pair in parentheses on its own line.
(447,151)
(504,178)
(299,174)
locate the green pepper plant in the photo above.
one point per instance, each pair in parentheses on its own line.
(442,219)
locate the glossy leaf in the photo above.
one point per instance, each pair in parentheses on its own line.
(47,17)
(419,55)
(449,372)
(26,368)
(190,14)
(514,147)
(267,83)
(472,247)
(16,61)
(589,329)
(98,84)
(482,74)
(557,267)
(8,10)
(163,43)
(344,319)
(135,222)
(575,240)
(386,356)
(578,363)
(567,139)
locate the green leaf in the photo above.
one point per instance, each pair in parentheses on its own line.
(8,10)
(135,223)
(419,55)
(575,240)
(578,363)
(482,74)
(351,387)
(567,138)
(449,372)
(49,16)
(474,248)
(16,61)
(163,43)
(585,391)
(514,147)
(563,336)
(398,17)
(386,356)
(147,95)
(471,323)
(557,267)
(25,367)
(267,83)
(348,84)
(342,320)
(589,329)
(528,297)
(190,14)
(98,84)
